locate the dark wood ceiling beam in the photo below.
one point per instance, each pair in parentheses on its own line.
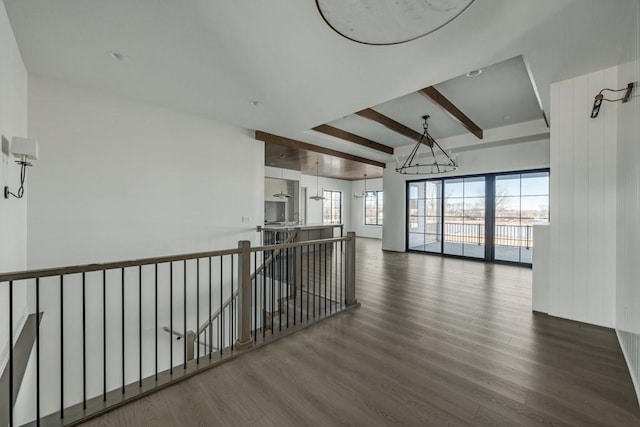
(292,143)
(433,94)
(389,123)
(348,136)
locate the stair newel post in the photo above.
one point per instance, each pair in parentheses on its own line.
(244,295)
(191,342)
(351,269)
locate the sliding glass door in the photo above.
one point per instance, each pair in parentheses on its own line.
(487,217)
(464,216)
(425,212)
(521,200)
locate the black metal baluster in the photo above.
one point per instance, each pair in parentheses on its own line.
(123,340)
(342,270)
(320,278)
(221,313)
(315,270)
(295,288)
(140,324)
(264,296)
(84,342)
(287,284)
(301,284)
(273,273)
(156,320)
(198,310)
(210,298)
(308,296)
(184,310)
(332,250)
(104,335)
(324,259)
(170,318)
(37,351)
(255,296)
(61,346)
(10,354)
(232,320)
(280,278)
(339,262)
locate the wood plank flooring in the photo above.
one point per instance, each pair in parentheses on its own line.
(436,342)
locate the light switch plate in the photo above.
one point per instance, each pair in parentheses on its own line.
(5,145)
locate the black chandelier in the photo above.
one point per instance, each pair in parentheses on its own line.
(439,162)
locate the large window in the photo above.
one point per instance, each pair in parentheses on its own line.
(373,204)
(486,216)
(464,216)
(425,212)
(521,200)
(332,207)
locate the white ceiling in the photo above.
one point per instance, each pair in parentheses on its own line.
(501,90)
(212,57)
(501,95)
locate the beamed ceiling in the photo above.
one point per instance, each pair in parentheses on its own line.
(213,58)
(499,95)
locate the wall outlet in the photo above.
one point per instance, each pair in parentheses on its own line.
(246,219)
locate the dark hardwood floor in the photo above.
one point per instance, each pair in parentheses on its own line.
(436,342)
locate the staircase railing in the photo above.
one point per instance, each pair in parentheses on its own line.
(216,315)
(100,341)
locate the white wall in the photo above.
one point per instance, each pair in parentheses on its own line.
(583,200)
(503,158)
(13,212)
(628,209)
(314,207)
(357,209)
(120,180)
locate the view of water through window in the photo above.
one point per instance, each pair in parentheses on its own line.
(461,216)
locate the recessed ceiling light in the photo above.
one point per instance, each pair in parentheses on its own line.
(254,103)
(506,117)
(272,164)
(474,73)
(118,56)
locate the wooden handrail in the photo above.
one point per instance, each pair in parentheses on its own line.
(299,244)
(274,253)
(58,271)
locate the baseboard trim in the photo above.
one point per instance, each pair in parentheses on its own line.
(636,386)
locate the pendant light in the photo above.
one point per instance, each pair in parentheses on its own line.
(440,161)
(317,197)
(282,194)
(363,194)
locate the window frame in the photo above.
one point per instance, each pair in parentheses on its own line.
(379,222)
(329,200)
(490,218)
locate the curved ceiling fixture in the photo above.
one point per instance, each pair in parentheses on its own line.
(387,22)
(440,161)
